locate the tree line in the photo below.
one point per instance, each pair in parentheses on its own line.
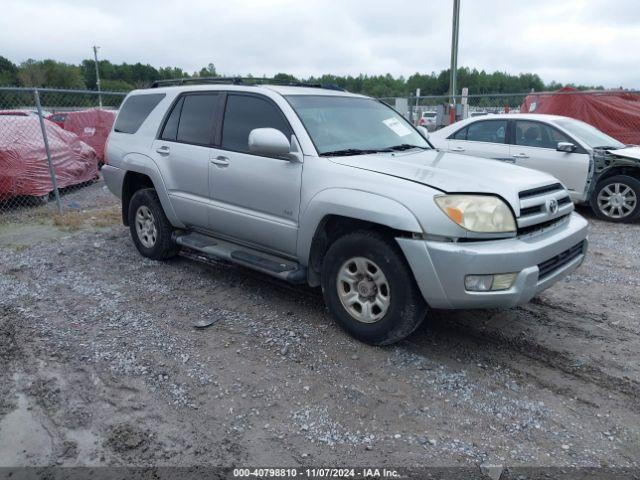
(124,77)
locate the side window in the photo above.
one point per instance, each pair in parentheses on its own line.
(170,130)
(492,131)
(459,135)
(134,112)
(196,119)
(536,134)
(244,113)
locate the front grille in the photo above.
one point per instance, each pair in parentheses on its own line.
(553,264)
(534,192)
(540,208)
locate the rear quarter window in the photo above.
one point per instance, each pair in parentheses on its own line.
(135,110)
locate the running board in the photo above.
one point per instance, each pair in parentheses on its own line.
(278,267)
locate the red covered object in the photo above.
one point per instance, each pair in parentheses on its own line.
(24,169)
(92,126)
(616,113)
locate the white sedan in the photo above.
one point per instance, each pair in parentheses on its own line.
(595,168)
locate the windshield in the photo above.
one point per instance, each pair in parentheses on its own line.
(353,126)
(589,134)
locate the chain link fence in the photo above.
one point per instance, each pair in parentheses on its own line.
(51,146)
(423,110)
(615,112)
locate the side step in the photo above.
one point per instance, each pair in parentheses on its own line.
(263,262)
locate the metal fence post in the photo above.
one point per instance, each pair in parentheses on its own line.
(52,172)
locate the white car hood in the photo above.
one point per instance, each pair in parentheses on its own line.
(453,173)
(629,152)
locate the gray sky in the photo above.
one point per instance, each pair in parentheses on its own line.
(581,41)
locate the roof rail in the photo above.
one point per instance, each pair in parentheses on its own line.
(247,81)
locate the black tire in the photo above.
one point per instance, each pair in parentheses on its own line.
(406,309)
(163,247)
(623,181)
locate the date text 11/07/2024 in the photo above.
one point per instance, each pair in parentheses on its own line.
(315,473)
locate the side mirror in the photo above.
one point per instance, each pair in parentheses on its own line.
(269,142)
(423,131)
(566,147)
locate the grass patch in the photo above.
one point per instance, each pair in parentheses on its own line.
(99,218)
(68,221)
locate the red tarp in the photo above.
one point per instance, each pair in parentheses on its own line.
(92,126)
(616,113)
(24,169)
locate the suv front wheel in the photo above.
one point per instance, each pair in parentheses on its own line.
(370,290)
(149,226)
(617,199)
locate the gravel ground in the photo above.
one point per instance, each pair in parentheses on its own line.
(102,366)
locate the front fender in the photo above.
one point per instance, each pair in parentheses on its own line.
(356,204)
(139,163)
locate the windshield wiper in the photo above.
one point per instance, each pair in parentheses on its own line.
(352,151)
(406,146)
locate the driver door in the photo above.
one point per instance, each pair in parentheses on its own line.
(255,198)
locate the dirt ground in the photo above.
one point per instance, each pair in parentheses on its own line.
(101,364)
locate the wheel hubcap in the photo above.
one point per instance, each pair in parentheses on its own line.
(146,227)
(363,290)
(617,200)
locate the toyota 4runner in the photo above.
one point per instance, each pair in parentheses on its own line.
(333,189)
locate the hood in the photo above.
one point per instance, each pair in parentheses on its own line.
(453,173)
(631,152)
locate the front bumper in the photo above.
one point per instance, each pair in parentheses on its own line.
(440,267)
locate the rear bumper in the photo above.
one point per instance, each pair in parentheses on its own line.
(114,178)
(440,267)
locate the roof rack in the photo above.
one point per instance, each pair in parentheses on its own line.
(246,81)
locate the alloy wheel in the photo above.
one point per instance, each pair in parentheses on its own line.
(617,200)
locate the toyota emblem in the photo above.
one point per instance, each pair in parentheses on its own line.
(552,206)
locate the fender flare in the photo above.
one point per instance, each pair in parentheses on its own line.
(356,204)
(139,163)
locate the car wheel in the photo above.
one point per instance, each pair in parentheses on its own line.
(149,226)
(370,290)
(617,199)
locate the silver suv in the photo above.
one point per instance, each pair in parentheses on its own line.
(333,189)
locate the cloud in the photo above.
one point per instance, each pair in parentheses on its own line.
(594,41)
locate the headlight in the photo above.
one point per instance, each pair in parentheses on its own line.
(478,213)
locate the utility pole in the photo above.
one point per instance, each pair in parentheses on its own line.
(454,49)
(95,57)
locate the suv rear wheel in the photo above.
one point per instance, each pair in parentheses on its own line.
(370,290)
(617,199)
(150,229)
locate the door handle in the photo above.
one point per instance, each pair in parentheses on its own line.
(457,149)
(220,161)
(164,150)
(520,155)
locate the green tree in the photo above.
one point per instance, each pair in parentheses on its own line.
(50,73)
(208,71)
(8,72)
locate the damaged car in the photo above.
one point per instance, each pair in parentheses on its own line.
(596,169)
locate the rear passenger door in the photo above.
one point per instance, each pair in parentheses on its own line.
(535,146)
(182,153)
(483,138)
(255,199)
